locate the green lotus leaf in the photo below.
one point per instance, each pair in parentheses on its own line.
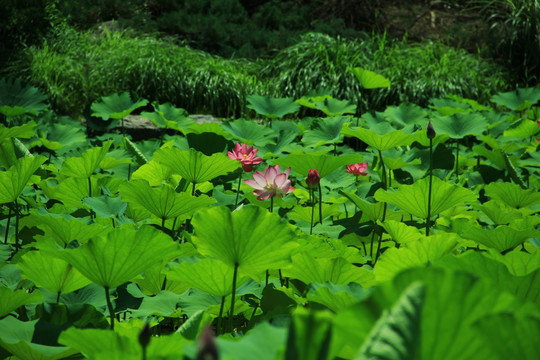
(303,213)
(18,99)
(379,142)
(59,136)
(495,275)
(397,333)
(193,327)
(510,336)
(210,127)
(338,271)
(325,131)
(120,256)
(164,303)
(272,107)
(116,106)
(153,172)
(264,342)
(453,302)
(414,198)
(283,143)
(194,166)
(401,232)
(210,275)
(328,105)
(13,181)
(513,195)
(517,100)
(250,132)
(85,165)
(168,116)
(13,299)
(309,337)
(72,191)
(524,129)
(51,273)
(500,213)
(373,211)
(495,157)
(501,238)
(24,131)
(134,151)
(162,202)
(460,125)
(406,116)
(414,254)
(106,206)
(519,263)
(369,79)
(336,297)
(16,337)
(62,229)
(251,238)
(301,163)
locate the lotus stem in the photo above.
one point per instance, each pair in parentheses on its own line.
(7,226)
(109,306)
(430,185)
(220,316)
(272,204)
(17,216)
(238,190)
(312,200)
(233,296)
(193,190)
(457,160)
(320,204)
(90,195)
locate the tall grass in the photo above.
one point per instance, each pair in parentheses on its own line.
(78,68)
(418,72)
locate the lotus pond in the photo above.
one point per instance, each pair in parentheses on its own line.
(410,233)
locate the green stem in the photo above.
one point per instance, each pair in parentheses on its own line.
(90,195)
(163,223)
(372,242)
(457,160)
(7,226)
(193,190)
(58,297)
(430,185)
(238,190)
(220,316)
(312,200)
(129,171)
(233,296)
(380,237)
(272,204)
(17,216)
(320,203)
(109,306)
(335,149)
(384,181)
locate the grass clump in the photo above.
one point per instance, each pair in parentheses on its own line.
(77,68)
(418,72)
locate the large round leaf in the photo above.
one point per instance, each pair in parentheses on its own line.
(85,165)
(13,181)
(251,238)
(379,142)
(301,163)
(113,260)
(272,107)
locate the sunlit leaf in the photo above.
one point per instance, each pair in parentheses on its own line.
(13,299)
(116,106)
(501,238)
(460,125)
(168,116)
(250,132)
(18,99)
(513,195)
(85,165)
(401,232)
(414,198)
(153,172)
(264,342)
(51,273)
(120,256)
(413,254)
(106,206)
(251,238)
(406,116)
(24,131)
(210,275)
(325,131)
(194,166)
(379,142)
(13,181)
(272,107)
(338,271)
(309,335)
(324,163)
(518,99)
(369,79)
(162,202)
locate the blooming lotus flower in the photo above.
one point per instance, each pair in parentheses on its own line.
(246,156)
(358,169)
(270,183)
(313,178)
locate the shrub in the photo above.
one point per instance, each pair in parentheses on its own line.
(418,72)
(78,68)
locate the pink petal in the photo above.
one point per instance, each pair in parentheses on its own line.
(280,180)
(254,184)
(260,178)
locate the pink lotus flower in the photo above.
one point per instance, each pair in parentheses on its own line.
(246,155)
(270,183)
(313,178)
(358,169)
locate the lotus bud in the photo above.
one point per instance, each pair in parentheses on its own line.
(207,346)
(145,336)
(313,179)
(430,131)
